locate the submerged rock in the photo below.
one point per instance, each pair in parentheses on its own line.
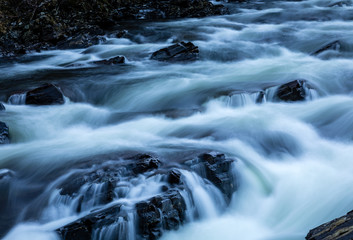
(2,107)
(337,229)
(45,95)
(335,46)
(178,52)
(4,133)
(111,61)
(292,91)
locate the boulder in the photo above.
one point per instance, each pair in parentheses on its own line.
(144,163)
(292,91)
(163,212)
(111,61)
(178,52)
(45,95)
(4,133)
(337,229)
(2,107)
(335,46)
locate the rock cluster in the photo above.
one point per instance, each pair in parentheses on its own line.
(164,211)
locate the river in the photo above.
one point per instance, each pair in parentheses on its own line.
(293,159)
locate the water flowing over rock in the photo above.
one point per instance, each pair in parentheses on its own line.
(335,46)
(178,52)
(337,229)
(215,167)
(4,133)
(166,210)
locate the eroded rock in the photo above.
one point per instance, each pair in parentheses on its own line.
(178,52)
(45,95)
(337,229)
(217,169)
(4,133)
(292,91)
(163,212)
(111,61)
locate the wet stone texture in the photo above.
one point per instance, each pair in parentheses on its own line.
(152,216)
(337,229)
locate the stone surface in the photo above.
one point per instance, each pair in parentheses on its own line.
(217,169)
(178,52)
(111,61)
(163,212)
(45,95)
(337,229)
(4,133)
(292,91)
(2,107)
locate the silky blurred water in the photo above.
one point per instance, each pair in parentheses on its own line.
(294,159)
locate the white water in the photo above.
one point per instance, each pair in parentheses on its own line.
(294,159)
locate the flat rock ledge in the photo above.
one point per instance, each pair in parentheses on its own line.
(338,229)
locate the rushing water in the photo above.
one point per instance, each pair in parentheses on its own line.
(293,159)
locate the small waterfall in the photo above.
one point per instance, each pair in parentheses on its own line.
(122,229)
(17,99)
(205,199)
(242,99)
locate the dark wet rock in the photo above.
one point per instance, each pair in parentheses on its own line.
(217,169)
(153,216)
(83,228)
(163,212)
(4,133)
(2,107)
(337,229)
(84,40)
(335,46)
(174,177)
(111,61)
(292,91)
(106,176)
(145,163)
(45,95)
(178,52)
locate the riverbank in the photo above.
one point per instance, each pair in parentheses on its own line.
(34,25)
